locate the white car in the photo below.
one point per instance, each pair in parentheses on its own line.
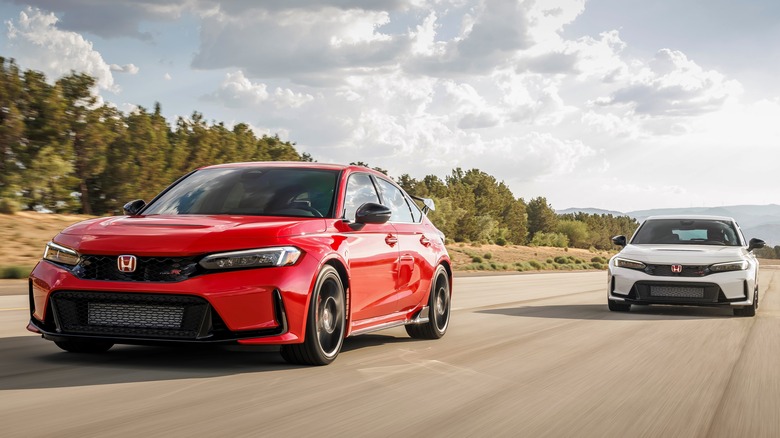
(685,260)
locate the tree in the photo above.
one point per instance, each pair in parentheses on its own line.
(541,216)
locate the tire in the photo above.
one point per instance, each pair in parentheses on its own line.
(439,309)
(748,311)
(614,306)
(325,323)
(79,346)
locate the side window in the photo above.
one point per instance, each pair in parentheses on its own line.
(416,213)
(395,199)
(360,190)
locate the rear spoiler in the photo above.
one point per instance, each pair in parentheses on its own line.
(427,204)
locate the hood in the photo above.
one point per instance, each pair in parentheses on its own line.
(683,254)
(172,235)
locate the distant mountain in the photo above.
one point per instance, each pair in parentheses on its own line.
(762,221)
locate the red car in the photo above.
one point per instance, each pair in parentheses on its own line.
(300,255)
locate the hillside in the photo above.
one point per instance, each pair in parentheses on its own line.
(25,234)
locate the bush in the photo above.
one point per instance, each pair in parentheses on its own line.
(597,265)
(14,272)
(550,239)
(535,264)
(561,260)
(598,260)
(8,206)
(549,261)
(476,259)
(500,241)
(488,256)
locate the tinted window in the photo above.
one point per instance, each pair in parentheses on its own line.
(394,198)
(251,191)
(695,232)
(360,190)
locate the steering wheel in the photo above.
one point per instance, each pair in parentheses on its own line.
(310,209)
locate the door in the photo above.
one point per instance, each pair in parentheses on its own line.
(372,255)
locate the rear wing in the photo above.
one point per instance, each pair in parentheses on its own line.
(428,204)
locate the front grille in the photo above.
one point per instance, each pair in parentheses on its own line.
(677,292)
(150,269)
(687,271)
(131,315)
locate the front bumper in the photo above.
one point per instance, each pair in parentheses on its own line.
(254,306)
(725,288)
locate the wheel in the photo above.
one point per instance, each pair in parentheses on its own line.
(438,309)
(748,310)
(618,307)
(80,346)
(325,323)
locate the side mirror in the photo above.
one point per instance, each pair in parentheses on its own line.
(755,244)
(619,240)
(133,207)
(370,213)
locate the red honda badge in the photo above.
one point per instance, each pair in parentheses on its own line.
(125,263)
(676,269)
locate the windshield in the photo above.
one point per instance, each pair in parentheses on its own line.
(251,191)
(687,231)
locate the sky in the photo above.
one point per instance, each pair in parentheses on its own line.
(614,104)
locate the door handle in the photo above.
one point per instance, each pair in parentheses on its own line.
(391,240)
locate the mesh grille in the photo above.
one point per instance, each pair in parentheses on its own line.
(687,271)
(133,315)
(677,291)
(151,269)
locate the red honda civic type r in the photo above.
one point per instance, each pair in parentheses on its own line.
(300,255)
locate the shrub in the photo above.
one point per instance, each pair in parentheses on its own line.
(535,264)
(8,206)
(488,256)
(14,272)
(500,241)
(561,260)
(597,265)
(476,259)
(549,261)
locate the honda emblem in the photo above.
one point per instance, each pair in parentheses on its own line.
(677,269)
(125,263)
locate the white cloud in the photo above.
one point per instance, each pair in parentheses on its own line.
(131,69)
(42,46)
(167,76)
(238,91)
(673,85)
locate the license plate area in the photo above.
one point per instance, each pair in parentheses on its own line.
(676,292)
(135,315)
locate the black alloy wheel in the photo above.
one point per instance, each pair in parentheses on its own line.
(438,309)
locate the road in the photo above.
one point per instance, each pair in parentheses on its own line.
(525,355)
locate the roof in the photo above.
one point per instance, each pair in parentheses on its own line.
(691,217)
(301,164)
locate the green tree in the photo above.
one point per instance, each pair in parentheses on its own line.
(541,216)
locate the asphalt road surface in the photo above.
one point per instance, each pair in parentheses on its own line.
(525,355)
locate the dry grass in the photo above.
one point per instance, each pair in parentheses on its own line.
(23,235)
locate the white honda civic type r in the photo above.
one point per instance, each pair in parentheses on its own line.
(685,260)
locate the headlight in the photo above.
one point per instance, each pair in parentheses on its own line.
(729,266)
(60,254)
(630,264)
(253,258)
